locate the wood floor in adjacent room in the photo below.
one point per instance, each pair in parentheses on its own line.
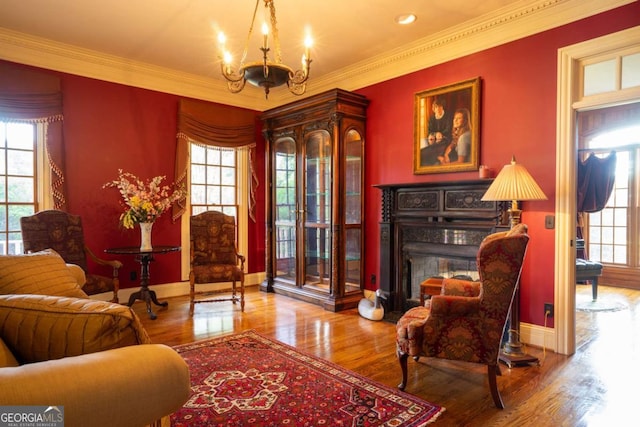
(594,387)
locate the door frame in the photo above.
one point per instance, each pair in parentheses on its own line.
(569,101)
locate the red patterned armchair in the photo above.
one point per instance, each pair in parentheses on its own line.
(466,321)
(214,258)
(62,232)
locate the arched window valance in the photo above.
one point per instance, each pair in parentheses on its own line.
(30,96)
(214,125)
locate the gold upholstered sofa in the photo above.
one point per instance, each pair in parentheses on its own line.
(92,359)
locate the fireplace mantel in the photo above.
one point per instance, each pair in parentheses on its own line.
(444,218)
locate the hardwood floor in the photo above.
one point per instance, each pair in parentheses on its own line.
(594,387)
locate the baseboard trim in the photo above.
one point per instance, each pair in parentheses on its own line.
(176,289)
(538,336)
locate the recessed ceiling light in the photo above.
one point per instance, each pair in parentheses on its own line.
(406,19)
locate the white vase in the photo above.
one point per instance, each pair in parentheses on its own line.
(145,236)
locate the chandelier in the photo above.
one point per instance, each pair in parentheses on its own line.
(268,72)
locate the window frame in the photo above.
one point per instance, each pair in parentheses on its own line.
(242,199)
(43,198)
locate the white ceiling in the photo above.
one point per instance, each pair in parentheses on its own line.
(179,36)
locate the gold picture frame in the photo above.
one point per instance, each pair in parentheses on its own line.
(447,128)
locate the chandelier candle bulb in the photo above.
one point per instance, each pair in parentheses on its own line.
(265,33)
(308,42)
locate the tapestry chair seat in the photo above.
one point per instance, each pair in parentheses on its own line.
(63,232)
(466,322)
(214,259)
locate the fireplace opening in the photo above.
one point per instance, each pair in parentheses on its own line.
(425,267)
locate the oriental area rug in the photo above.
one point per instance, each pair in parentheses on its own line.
(246,379)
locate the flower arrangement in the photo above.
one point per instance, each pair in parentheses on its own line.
(144,201)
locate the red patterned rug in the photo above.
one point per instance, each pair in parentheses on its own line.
(248,380)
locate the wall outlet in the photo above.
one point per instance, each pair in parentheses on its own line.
(133,276)
(548,307)
(373,279)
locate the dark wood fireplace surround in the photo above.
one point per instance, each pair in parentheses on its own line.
(430,219)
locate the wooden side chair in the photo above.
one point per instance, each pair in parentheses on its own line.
(466,321)
(62,232)
(214,258)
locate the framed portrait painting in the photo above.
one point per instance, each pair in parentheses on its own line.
(447,128)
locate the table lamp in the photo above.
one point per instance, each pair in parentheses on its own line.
(514,183)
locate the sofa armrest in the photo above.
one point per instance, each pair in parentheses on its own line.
(41,327)
(129,386)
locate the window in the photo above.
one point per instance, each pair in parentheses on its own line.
(213,184)
(612,235)
(218,180)
(608,75)
(19,178)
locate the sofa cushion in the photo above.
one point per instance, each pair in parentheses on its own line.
(41,273)
(42,327)
(78,274)
(7,360)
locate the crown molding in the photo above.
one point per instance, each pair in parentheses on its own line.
(35,51)
(502,26)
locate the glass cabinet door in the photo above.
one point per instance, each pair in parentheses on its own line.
(285,208)
(353,210)
(317,211)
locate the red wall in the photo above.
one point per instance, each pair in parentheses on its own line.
(109,127)
(518,117)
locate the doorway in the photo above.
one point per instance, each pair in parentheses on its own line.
(574,62)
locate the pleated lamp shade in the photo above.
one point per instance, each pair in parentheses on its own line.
(514,183)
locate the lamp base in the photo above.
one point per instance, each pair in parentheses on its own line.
(512,360)
(512,354)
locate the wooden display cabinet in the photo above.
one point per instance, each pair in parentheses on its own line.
(315,179)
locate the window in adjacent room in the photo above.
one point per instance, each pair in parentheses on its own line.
(612,236)
(19,176)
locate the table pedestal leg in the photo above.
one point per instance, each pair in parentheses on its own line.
(145,294)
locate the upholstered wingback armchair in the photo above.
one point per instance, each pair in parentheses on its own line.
(62,232)
(466,321)
(214,258)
